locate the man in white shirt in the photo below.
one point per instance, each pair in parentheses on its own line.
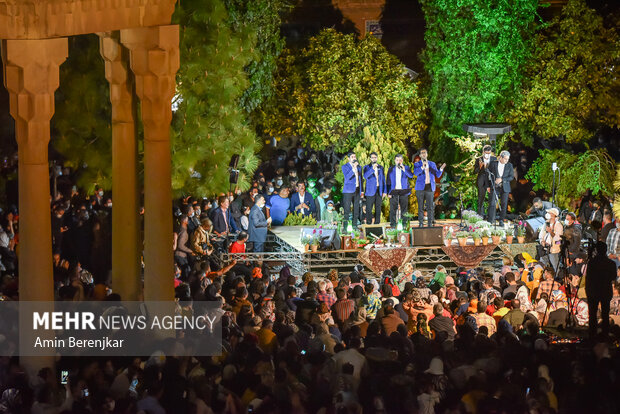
(502,173)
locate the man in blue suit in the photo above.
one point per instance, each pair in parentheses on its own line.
(258,224)
(302,201)
(376,189)
(398,186)
(426,171)
(351,190)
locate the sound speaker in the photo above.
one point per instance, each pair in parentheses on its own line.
(234,160)
(532,228)
(234,177)
(427,236)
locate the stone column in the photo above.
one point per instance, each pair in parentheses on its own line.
(154,58)
(31,75)
(126,246)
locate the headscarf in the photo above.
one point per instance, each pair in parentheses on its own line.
(257,273)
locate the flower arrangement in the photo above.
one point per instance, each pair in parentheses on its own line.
(477,234)
(462,234)
(306,239)
(298,219)
(485,232)
(498,232)
(520,229)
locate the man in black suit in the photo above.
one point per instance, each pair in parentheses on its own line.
(481,168)
(502,173)
(223,220)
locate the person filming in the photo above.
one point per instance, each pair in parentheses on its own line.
(551,237)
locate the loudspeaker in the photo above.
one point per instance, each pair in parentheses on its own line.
(234,160)
(532,228)
(427,236)
(234,177)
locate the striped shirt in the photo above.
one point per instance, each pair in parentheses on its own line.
(613,242)
(342,309)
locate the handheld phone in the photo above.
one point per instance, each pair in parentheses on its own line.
(133,385)
(303,352)
(64,377)
(527,392)
(85,392)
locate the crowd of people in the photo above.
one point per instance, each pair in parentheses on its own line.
(475,341)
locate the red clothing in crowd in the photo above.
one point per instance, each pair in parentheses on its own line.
(237,248)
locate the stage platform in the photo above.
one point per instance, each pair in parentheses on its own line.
(284,246)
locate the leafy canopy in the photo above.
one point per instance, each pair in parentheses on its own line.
(474,55)
(209,125)
(590,170)
(84,140)
(573,83)
(329,91)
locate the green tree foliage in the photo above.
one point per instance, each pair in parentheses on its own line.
(590,170)
(573,81)
(82,122)
(209,125)
(474,55)
(263,17)
(329,91)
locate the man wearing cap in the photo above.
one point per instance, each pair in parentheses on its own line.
(483,182)
(502,173)
(550,236)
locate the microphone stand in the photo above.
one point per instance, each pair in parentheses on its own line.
(492,178)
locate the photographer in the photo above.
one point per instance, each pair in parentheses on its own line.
(550,237)
(572,235)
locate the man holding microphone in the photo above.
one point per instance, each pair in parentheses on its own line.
(426,171)
(398,185)
(351,190)
(376,189)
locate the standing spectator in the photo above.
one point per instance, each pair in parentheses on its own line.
(279,206)
(343,308)
(258,224)
(613,244)
(321,203)
(572,233)
(599,277)
(223,221)
(608,225)
(550,236)
(482,319)
(302,202)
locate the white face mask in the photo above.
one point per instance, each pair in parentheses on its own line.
(547,216)
(566,222)
(487,156)
(271,189)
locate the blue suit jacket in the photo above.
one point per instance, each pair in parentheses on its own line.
(404,178)
(371,180)
(349,178)
(308,199)
(257,225)
(219,225)
(421,175)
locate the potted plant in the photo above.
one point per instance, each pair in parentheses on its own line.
(391,234)
(509,236)
(315,243)
(477,236)
(462,236)
(496,235)
(306,241)
(520,232)
(484,235)
(449,237)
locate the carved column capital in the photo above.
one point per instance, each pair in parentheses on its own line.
(31,75)
(154,62)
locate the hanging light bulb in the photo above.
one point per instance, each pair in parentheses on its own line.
(399,226)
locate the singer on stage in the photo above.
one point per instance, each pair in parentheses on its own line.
(501,174)
(376,189)
(398,185)
(426,171)
(482,180)
(351,191)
